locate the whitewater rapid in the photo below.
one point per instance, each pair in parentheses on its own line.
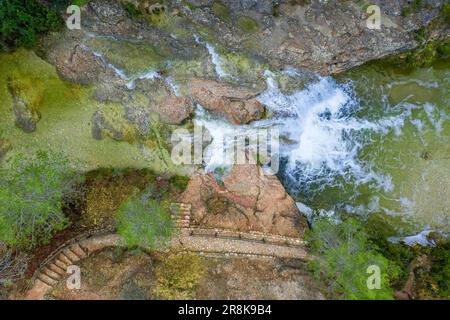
(320,124)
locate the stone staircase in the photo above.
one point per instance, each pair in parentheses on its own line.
(56,268)
(181,214)
(207,241)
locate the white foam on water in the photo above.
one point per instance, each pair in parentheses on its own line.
(313,215)
(324,133)
(219,154)
(130,80)
(215,57)
(320,120)
(420,239)
(150,75)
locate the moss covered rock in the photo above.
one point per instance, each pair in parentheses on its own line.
(27,97)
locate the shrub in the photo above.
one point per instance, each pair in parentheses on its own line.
(247,24)
(178,276)
(345,253)
(31,194)
(21,21)
(144,222)
(221,11)
(12,266)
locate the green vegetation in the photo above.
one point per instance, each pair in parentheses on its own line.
(31,193)
(135,58)
(424,56)
(22,21)
(189,5)
(299,2)
(221,11)
(179,182)
(178,276)
(430,49)
(437,280)
(144,221)
(345,253)
(132,10)
(247,24)
(80,3)
(413,7)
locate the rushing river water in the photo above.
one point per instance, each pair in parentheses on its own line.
(374,140)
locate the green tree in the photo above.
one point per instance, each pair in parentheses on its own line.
(21,22)
(31,197)
(143,221)
(344,255)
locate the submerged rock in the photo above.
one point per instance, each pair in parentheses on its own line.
(247,201)
(26,99)
(239,105)
(111,123)
(5,146)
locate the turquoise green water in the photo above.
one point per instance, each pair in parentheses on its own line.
(373,140)
(411,153)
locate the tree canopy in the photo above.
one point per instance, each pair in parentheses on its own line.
(143,221)
(31,194)
(22,21)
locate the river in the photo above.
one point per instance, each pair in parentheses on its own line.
(372,140)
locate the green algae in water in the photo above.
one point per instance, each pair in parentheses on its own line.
(130,56)
(416,154)
(66,121)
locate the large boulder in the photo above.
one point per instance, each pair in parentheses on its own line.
(77,64)
(238,104)
(319,36)
(248,200)
(173,109)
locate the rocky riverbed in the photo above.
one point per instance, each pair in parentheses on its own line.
(352,140)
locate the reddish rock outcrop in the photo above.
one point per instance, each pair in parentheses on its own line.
(237,104)
(247,201)
(173,109)
(76,64)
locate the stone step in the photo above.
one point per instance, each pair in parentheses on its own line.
(62,257)
(57,269)
(182,223)
(62,264)
(47,280)
(79,251)
(71,255)
(51,274)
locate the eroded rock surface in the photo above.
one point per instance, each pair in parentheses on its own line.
(237,104)
(228,43)
(247,201)
(319,36)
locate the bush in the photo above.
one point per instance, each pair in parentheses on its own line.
(247,24)
(22,21)
(178,276)
(12,266)
(144,222)
(345,253)
(31,194)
